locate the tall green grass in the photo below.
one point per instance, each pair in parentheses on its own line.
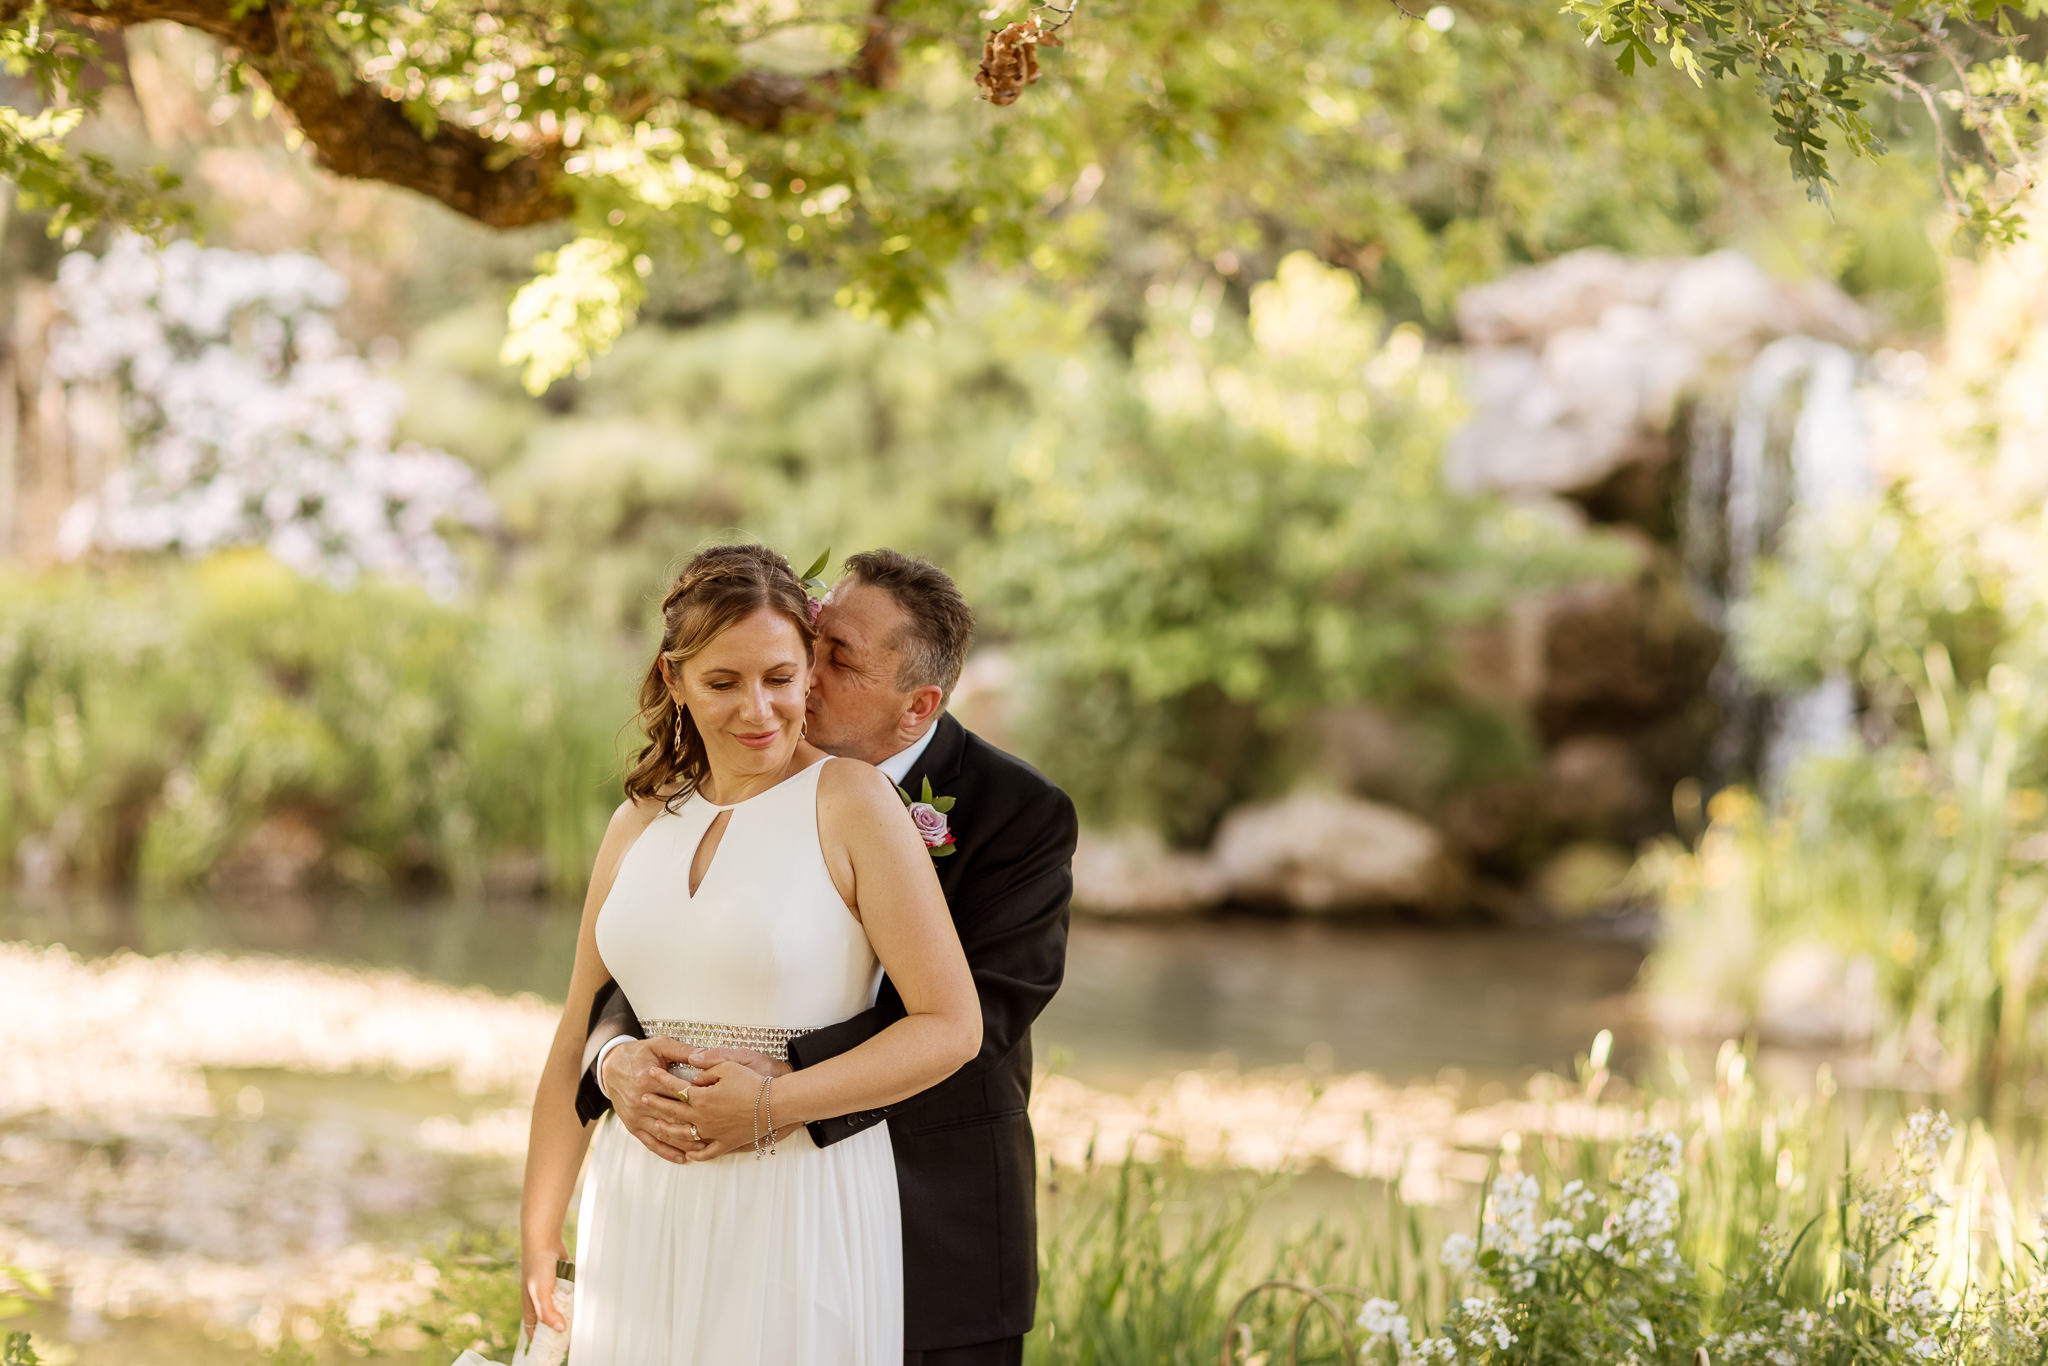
(1918,870)
(156,725)
(1706,1214)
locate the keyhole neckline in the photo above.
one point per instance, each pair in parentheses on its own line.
(698,795)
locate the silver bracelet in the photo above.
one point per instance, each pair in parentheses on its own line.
(769,1101)
(758,1154)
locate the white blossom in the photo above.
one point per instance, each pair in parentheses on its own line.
(1383,1323)
(250,422)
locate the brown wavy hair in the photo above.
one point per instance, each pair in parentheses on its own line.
(716,590)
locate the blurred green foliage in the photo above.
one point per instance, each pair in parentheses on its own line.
(1250,528)
(800,427)
(1189,551)
(154,723)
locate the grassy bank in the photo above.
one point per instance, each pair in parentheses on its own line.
(1766,1230)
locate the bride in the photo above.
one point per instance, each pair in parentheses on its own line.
(748,889)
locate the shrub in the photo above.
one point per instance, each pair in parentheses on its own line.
(154,719)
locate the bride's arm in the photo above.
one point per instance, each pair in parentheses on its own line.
(884,870)
(557,1138)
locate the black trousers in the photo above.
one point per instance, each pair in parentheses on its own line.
(1001,1352)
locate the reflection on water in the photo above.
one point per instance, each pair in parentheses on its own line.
(1140,1000)
(1143,1000)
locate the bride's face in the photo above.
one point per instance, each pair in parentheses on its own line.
(745,690)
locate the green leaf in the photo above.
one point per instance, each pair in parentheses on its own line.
(903,794)
(943,805)
(818,566)
(577,307)
(942,851)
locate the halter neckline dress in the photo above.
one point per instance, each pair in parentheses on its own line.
(793,1258)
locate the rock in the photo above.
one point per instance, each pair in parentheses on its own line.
(1725,305)
(1133,873)
(1501,661)
(1812,994)
(1594,783)
(284,852)
(1582,878)
(1379,753)
(1597,398)
(1322,852)
(1577,368)
(1504,822)
(1621,651)
(1571,291)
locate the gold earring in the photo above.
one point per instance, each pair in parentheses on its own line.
(679,730)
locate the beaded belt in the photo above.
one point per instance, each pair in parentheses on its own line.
(768,1040)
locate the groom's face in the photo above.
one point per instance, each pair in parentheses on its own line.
(857,710)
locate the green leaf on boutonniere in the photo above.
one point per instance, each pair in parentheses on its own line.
(903,793)
(942,851)
(927,798)
(943,805)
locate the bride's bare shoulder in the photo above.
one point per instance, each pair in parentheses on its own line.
(629,818)
(851,788)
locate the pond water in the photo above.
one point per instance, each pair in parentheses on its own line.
(177,1235)
(1140,1000)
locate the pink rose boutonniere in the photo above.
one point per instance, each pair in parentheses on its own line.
(929,816)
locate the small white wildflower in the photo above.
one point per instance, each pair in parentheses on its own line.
(1458,1252)
(1383,1321)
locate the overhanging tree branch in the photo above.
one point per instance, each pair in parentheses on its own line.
(356,130)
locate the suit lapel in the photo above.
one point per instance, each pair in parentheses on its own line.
(940,761)
(940,765)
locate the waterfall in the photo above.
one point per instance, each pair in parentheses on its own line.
(1794,437)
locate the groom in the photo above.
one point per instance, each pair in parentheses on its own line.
(892,636)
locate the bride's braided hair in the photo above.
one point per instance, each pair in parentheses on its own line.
(719,588)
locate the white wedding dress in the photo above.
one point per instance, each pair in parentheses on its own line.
(792,1258)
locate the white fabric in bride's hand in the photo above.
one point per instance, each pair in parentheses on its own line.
(791,1260)
(549,1347)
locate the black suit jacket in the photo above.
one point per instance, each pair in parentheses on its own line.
(965,1164)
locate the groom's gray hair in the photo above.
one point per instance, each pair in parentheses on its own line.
(933,643)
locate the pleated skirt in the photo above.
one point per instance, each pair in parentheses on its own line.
(794,1258)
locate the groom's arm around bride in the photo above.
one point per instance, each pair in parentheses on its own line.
(892,637)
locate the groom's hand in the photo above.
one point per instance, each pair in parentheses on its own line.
(645,1094)
(759,1063)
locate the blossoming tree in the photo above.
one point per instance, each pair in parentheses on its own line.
(250,422)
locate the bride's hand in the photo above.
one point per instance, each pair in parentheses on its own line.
(725,1107)
(537,1287)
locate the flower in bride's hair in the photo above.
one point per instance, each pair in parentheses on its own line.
(931,824)
(814,608)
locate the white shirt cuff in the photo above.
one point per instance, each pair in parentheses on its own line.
(598,1067)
